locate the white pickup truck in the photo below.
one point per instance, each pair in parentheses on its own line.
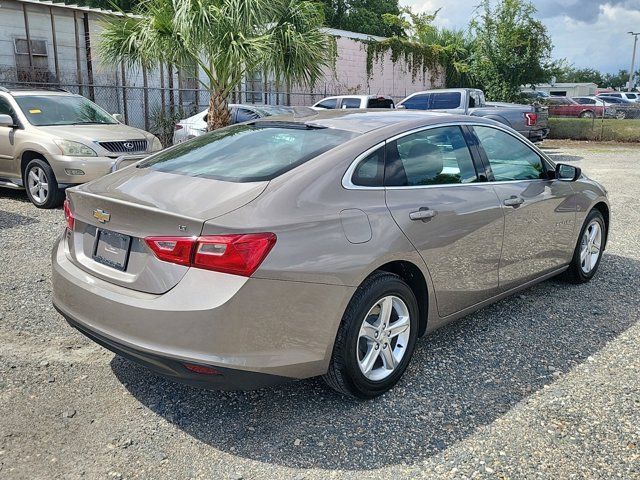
(532,121)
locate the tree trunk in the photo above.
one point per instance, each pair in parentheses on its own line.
(219,115)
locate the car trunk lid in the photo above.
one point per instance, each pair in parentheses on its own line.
(114,214)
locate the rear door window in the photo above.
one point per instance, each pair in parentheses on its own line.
(248,153)
(437,156)
(350,102)
(244,115)
(446,100)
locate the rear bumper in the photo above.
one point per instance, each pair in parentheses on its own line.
(538,135)
(227,379)
(256,326)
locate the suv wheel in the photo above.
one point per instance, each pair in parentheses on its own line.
(376,338)
(41,185)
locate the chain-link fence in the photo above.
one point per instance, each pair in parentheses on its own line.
(157,109)
(594,118)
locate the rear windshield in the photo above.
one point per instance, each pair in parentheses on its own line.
(247,153)
(380,103)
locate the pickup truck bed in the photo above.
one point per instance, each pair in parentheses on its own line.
(531,121)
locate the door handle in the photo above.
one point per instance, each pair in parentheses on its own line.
(423,214)
(513,201)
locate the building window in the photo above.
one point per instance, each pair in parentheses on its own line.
(36,68)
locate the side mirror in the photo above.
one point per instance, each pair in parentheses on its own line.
(7,121)
(118,117)
(400,107)
(567,173)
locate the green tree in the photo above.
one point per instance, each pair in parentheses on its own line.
(363,16)
(226,39)
(453,47)
(511,48)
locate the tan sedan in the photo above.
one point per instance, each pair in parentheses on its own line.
(326,245)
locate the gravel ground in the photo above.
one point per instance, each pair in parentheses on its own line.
(542,385)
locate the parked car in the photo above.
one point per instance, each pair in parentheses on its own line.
(196,125)
(631,96)
(568,107)
(609,108)
(52,139)
(529,120)
(326,245)
(614,107)
(354,101)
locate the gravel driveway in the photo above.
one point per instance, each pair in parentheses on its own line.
(542,385)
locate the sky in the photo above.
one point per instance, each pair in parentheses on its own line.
(588,33)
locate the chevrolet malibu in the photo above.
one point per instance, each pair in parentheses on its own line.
(323,245)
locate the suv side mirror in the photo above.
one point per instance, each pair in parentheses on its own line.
(7,121)
(118,117)
(567,173)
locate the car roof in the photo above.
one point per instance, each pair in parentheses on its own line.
(367,120)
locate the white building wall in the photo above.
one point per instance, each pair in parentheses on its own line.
(350,74)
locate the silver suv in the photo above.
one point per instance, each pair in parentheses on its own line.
(53,139)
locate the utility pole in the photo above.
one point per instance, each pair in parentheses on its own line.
(633,60)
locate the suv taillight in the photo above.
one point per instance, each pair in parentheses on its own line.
(532,118)
(68,215)
(236,254)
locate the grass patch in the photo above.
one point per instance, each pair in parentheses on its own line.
(612,130)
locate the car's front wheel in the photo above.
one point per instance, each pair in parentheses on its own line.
(588,251)
(376,338)
(41,185)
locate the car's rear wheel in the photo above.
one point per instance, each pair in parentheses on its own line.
(588,252)
(41,185)
(376,338)
(588,114)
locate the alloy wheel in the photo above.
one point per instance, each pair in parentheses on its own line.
(383,338)
(590,246)
(38,184)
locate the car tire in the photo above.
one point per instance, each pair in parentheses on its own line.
(621,115)
(588,114)
(353,348)
(41,185)
(577,273)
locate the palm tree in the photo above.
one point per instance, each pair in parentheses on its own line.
(225,39)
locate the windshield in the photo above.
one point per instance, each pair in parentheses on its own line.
(43,110)
(247,153)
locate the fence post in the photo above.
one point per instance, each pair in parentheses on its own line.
(55,44)
(87,53)
(172,98)
(124,95)
(78,63)
(145,84)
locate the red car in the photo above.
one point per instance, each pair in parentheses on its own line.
(568,107)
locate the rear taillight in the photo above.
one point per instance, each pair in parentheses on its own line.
(68,215)
(532,118)
(236,254)
(178,126)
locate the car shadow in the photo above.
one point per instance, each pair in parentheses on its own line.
(462,377)
(18,195)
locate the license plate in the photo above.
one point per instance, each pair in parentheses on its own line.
(112,249)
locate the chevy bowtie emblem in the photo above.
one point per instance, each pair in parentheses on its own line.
(101,215)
